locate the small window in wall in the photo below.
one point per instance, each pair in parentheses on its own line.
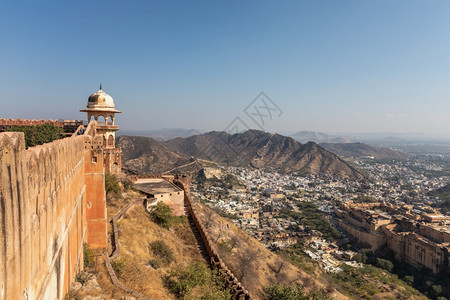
(94,159)
(178,193)
(110,141)
(170,195)
(162,195)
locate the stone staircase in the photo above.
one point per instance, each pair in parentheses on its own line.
(199,241)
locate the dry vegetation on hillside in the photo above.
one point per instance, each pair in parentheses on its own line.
(258,267)
(149,252)
(254,265)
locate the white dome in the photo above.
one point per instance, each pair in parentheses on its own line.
(100,99)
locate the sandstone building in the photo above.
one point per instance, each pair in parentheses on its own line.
(161,188)
(422,241)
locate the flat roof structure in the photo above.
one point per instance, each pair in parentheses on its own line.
(152,186)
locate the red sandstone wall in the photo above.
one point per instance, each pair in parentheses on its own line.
(44,216)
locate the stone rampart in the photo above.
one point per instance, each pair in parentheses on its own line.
(237,289)
(44,213)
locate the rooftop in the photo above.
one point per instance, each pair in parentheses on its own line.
(155,186)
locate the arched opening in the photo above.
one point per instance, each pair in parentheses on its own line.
(110,120)
(110,141)
(101,120)
(115,168)
(104,141)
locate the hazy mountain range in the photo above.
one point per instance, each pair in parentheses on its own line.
(357,150)
(162,134)
(318,137)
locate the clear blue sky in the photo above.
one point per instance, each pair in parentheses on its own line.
(332,66)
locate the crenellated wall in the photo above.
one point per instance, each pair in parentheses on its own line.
(45,217)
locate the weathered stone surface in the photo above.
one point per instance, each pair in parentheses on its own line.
(44,216)
(92,298)
(92,284)
(76,286)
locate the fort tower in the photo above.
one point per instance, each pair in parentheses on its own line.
(101,108)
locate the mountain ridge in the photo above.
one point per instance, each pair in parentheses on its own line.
(253,148)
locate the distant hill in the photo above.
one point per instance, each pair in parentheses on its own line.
(356,150)
(252,148)
(318,137)
(164,134)
(145,155)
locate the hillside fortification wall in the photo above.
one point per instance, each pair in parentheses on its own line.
(52,201)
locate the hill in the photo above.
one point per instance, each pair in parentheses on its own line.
(356,150)
(263,150)
(318,137)
(164,134)
(253,148)
(145,155)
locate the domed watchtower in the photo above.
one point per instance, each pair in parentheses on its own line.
(101,107)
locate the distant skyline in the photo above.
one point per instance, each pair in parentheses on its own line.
(330,66)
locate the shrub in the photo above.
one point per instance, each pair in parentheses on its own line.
(295,292)
(436,290)
(112,184)
(385,264)
(162,214)
(227,245)
(119,267)
(279,292)
(182,281)
(163,251)
(82,278)
(409,279)
(154,263)
(88,255)
(127,185)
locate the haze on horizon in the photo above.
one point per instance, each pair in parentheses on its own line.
(353,66)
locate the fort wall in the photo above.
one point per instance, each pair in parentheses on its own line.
(45,217)
(231,282)
(419,243)
(374,240)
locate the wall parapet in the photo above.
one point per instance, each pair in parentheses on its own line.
(44,213)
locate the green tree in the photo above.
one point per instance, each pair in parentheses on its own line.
(112,184)
(162,214)
(436,290)
(39,134)
(409,279)
(385,264)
